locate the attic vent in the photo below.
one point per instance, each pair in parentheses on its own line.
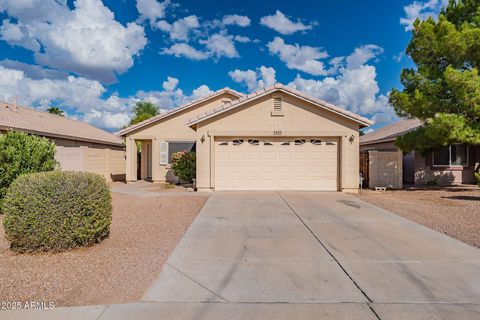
(277,104)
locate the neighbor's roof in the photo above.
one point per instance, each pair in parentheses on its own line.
(178,109)
(50,125)
(279,87)
(390,132)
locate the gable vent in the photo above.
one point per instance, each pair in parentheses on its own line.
(277,104)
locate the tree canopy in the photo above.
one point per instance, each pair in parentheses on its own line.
(443,91)
(56,110)
(142,111)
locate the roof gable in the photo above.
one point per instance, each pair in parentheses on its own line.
(14,117)
(178,109)
(364,122)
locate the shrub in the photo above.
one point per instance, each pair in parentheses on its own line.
(184,165)
(477,177)
(55,211)
(22,153)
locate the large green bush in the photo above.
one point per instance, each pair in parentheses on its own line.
(184,165)
(22,153)
(55,211)
(477,177)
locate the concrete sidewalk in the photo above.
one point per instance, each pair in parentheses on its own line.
(304,255)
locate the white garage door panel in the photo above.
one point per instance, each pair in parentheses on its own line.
(273,164)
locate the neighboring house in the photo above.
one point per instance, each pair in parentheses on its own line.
(453,164)
(79,146)
(273,139)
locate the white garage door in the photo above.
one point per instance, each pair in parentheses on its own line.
(276,164)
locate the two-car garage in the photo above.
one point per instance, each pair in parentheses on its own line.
(273,163)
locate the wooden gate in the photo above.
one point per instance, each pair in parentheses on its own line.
(364,165)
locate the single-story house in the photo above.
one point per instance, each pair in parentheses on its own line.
(454,164)
(276,138)
(79,146)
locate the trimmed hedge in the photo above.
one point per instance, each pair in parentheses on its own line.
(55,211)
(23,153)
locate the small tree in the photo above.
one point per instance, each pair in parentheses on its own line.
(56,110)
(143,111)
(22,153)
(184,165)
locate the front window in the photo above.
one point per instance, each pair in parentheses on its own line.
(453,155)
(174,147)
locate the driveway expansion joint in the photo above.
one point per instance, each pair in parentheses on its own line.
(195,281)
(370,300)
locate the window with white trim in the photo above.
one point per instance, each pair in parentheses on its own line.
(266,143)
(299,142)
(254,142)
(286,143)
(237,142)
(174,147)
(452,155)
(316,142)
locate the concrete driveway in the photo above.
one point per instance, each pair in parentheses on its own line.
(307,255)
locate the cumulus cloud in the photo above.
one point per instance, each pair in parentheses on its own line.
(235,19)
(282,24)
(152,10)
(180,29)
(355,87)
(85,99)
(184,50)
(363,54)
(303,58)
(220,45)
(86,40)
(421,10)
(254,79)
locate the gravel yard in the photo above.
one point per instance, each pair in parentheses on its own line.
(143,233)
(454,211)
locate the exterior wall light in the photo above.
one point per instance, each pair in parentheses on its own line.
(202,139)
(352,138)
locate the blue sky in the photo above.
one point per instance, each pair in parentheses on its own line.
(95,58)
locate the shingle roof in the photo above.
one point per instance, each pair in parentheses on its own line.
(50,125)
(279,87)
(178,109)
(390,132)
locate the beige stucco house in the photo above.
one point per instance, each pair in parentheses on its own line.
(79,146)
(273,139)
(454,164)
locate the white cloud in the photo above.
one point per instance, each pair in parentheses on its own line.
(242,39)
(171,84)
(354,88)
(235,19)
(220,45)
(363,54)
(152,10)
(303,58)
(185,50)
(180,29)
(84,99)
(201,92)
(87,40)
(282,24)
(421,10)
(254,79)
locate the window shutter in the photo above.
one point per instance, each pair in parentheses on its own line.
(164,152)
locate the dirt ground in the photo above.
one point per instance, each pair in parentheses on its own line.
(144,231)
(454,211)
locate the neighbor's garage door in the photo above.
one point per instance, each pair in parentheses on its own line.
(276,164)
